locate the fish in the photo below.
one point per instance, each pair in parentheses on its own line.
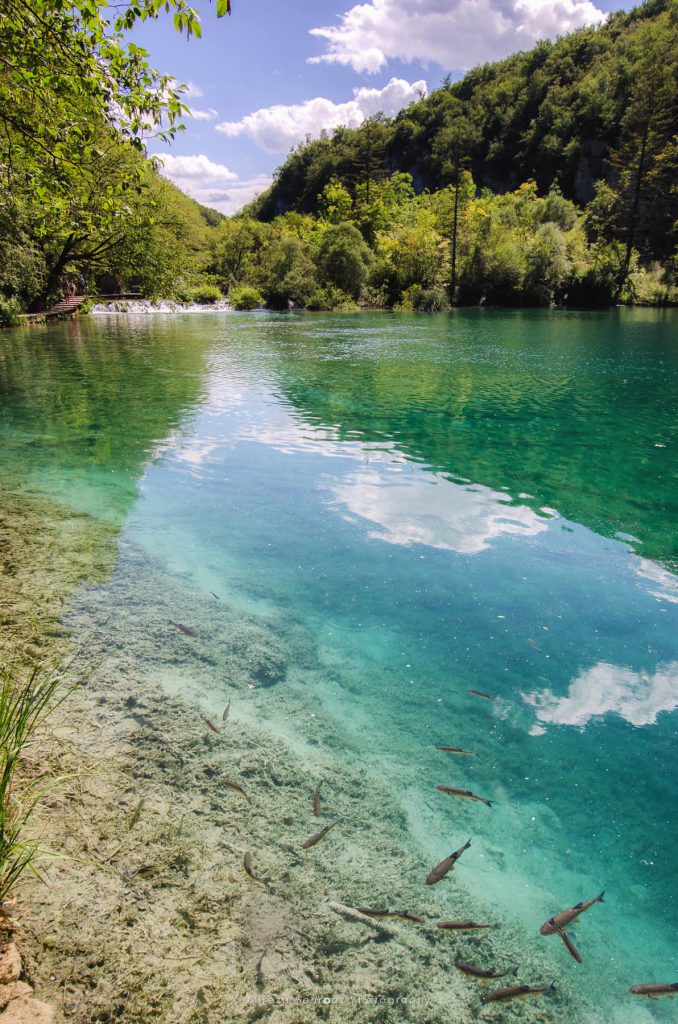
(227,711)
(571,948)
(318,836)
(215,595)
(316,802)
(502,995)
(465,794)
(188,630)
(464,926)
(565,917)
(485,696)
(440,870)
(236,786)
(211,725)
(655,991)
(533,643)
(404,915)
(481,972)
(456,750)
(247,864)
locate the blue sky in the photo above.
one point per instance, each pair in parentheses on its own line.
(273,72)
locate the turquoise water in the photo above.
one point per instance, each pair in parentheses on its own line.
(482,500)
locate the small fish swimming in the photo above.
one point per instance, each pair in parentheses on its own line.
(247,864)
(215,595)
(211,725)
(188,630)
(440,870)
(318,836)
(655,991)
(404,915)
(565,917)
(465,794)
(533,643)
(227,711)
(456,750)
(570,947)
(237,787)
(481,972)
(464,926)
(502,995)
(485,696)
(316,802)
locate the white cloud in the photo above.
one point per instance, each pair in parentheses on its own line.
(193,91)
(210,183)
(276,129)
(416,508)
(204,115)
(195,169)
(456,34)
(604,689)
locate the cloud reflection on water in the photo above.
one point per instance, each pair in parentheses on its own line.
(426,508)
(609,689)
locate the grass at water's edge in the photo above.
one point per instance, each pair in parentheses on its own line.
(27,696)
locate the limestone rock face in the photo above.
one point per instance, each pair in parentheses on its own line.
(14,990)
(17,1005)
(10,964)
(25,1010)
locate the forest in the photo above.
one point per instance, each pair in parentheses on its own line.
(546,178)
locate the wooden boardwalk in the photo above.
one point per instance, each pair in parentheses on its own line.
(66,307)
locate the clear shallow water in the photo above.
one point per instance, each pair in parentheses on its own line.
(483,500)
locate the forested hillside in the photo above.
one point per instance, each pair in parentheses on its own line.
(597,105)
(549,177)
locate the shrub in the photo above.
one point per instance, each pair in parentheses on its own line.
(205,294)
(244,296)
(432,300)
(328,297)
(9,312)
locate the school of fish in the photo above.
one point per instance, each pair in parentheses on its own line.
(555,925)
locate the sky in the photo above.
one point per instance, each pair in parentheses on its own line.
(262,79)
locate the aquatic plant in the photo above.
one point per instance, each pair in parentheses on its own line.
(27,696)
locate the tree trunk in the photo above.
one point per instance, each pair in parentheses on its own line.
(633,219)
(56,271)
(453,282)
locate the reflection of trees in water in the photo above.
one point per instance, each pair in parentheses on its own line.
(86,396)
(568,411)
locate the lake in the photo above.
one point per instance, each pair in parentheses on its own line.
(424,506)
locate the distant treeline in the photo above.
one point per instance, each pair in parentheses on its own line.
(547,177)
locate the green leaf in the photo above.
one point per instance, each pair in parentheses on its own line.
(223,7)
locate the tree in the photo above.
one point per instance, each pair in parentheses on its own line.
(234,248)
(286,273)
(345,259)
(452,150)
(644,170)
(548,265)
(78,101)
